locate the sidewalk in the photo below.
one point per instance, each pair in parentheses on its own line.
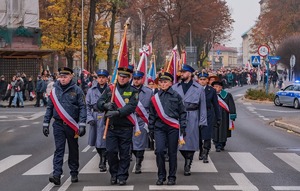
(288,123)
(26,103)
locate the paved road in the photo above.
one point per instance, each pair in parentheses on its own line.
(257,157)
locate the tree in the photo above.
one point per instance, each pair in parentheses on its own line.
(290,46)
(91,57)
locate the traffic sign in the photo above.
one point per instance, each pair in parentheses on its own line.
(274,59)
(293,61)
(255,60)
(263,50)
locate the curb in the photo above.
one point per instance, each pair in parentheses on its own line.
(287,126)
(255,101)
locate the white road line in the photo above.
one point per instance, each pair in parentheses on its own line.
(11,161)
(37,115)
(149,165)
(253,112)
(279,111)
(286,187)
(100,188)
(291,159)
(249,163)
(246,103)
(261,116)
(251,108)
(199,166)
(92,166)
(35,123)
(94,150)
(50,185)
(178,187)
(66,185)
(242,184)
(238,95)
(23,126)
(86,149)
(11,131)
(3,117)
(266,119)
(44,168)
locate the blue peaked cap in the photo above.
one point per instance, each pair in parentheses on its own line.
(138,74)
(102,72)
(203,75)
(188,68)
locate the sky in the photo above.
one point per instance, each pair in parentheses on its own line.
(245,13)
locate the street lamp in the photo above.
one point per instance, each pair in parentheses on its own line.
(141,18)
(212,47)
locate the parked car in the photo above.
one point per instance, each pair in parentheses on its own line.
(289,96)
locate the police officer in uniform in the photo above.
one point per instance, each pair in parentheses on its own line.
(213,116)
(95,118)
(166,133)
(140,142)
(67,106)
(120,130)
(194,101)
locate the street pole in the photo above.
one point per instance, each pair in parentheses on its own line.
(82,38)
(190,35)
(141,17)
(267,84)
(212,47)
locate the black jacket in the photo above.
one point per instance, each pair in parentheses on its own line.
(173,106)
(131,97)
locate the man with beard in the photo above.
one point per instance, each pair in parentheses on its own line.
(193,97)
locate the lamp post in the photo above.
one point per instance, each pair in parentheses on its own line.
(212,47)
(141,18)
(190,34)
(82,38)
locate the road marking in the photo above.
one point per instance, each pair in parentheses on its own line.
(66,185)
(261,116)
(242,183)
(45,167)
(246,103)
(266,119)
(37,115)
(278,111)
(291,159)
(50,185)
(11,161)
(149,165)
(286,187)
(35,123)
(3,117)
(238,95)
(99,188)
(11,131)
(94,150)
(92,166)
(249,163)
(253,112)
(251,108)
(199,166)
(23,126)
(86,149)
(179,187)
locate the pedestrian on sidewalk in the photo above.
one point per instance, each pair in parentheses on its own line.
(18,91)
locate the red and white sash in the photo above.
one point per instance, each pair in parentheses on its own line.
(141,111)
(161,113)
(121,103)
(63,113)
(224,105)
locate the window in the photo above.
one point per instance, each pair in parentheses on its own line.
(289,88)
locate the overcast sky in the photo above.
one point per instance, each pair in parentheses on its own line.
(244,12)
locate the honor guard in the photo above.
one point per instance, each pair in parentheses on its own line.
(213,117)
(121,122)
(193,96)
(228,115)
(67,106)
(140,142)
(95,118)
(167,123)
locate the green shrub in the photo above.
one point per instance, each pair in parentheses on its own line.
(259,94)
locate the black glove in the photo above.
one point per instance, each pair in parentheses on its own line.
(111,114)
(81,131)
(108,106)
(182,132)
(218,123)
(46,130)
(151,134)
(92,123)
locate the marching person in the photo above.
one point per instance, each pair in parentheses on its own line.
(95,118)
(228,115)
(140,142)
(67,106)
(121,123)
(195,105)
(167,122)
(213,116)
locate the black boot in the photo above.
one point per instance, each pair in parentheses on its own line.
(99,151)
(205,156)
(138,165)
(187,167)
(201,154)
(55,180)
(102,165)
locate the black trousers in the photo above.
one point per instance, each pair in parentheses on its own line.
(118,144)
(62,134)
(39,96)
(166,136)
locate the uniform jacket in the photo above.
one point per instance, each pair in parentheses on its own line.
(195,105)
(173,106)
(128,93)
(72,100)
(39,86)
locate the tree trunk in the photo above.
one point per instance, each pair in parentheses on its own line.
(90,37)
(111,39)
(69,56)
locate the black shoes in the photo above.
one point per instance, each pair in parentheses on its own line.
(55,180)
(171,182)
(122,182)
(113,180)
(74,178)
(160,182)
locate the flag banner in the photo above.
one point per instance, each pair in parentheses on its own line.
(152,69)
(142,66)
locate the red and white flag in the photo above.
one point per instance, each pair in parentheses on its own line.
(142,112)
(224,105)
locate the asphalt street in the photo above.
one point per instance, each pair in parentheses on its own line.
(257,157)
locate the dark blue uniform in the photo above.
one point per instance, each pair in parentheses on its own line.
(72,99)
